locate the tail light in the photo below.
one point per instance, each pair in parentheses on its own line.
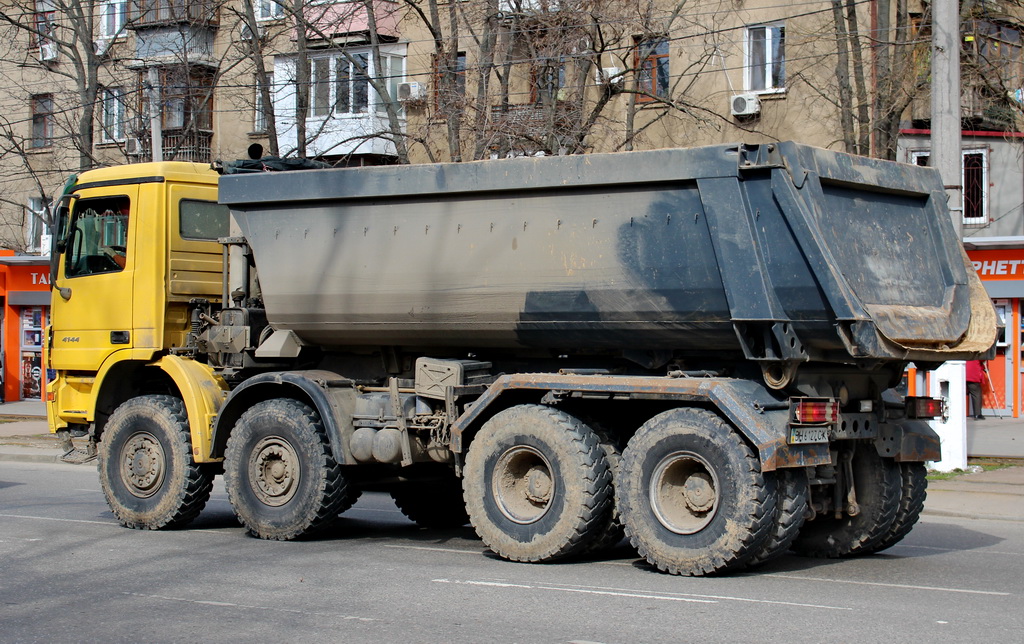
(924,408)
(814,411)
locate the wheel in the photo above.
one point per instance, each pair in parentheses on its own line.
(281,477)
(877,483)
(611,531)
(692,496)
(433,504)
(147,471)
(915,488)
(536,484)
(790,512)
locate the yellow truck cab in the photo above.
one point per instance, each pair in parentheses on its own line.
(134,245)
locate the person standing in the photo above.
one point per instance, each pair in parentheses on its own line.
(975,376)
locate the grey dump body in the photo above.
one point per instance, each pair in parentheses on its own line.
(782,252)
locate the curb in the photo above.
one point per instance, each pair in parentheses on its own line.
(967,515)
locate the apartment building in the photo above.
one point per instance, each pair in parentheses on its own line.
(358,82)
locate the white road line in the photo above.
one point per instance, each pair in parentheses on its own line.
(632,593)
(22,516)
(452,550)
(206,602)
(885,585)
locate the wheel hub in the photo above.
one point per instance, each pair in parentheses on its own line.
(142,465)
(522,484)
(684,492)
(273,471)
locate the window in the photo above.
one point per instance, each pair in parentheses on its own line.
(37,217)
(974,179)
(44,17)
(268,10)
(42,120)
(203,220)
(449,84)
(393,73)
(98,239)
(112,115)
(112,16)
(352,82)
(652,64)
(340,84)
(260,121)
(186,94)
(766,58)
(548,81)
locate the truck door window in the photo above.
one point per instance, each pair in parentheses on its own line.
(97,242)
(203,220)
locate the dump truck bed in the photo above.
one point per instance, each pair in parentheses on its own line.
(778,250)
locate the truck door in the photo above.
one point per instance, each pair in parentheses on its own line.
(93,293)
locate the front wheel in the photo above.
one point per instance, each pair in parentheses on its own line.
(147,471)
(692,496)
(537,484)
(281,477)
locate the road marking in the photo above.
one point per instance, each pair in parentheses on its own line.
(885,585)
(632,593)
(207,602)
(453,550)
(22,516)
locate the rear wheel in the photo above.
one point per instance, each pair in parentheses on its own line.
(537,485)
(692,496)
(877,483)
(789,516)
(147,471)
(915,489)
(281,477)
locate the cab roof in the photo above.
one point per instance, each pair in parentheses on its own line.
(148,172)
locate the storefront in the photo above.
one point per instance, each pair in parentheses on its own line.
(24,306)
(1002,272)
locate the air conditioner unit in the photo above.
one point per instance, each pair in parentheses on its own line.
(411,92)
(745,105)
(102,46)
(132,147)
(610,76)
(47,51)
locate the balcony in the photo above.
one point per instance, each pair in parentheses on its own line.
(161,13)
(179,146)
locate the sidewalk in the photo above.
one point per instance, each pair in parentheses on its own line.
(998,494)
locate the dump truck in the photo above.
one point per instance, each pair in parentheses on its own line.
(694,349)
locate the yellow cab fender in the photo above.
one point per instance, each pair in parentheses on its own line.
(203,393)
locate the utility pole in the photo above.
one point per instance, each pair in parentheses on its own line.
(949,380)
(155,113)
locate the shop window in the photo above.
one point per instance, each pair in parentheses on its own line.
(98,239)
(31,352)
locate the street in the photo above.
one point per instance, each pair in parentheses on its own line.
(69,573)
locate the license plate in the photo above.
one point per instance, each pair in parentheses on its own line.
(803,435)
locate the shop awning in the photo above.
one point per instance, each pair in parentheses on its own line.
(28,298)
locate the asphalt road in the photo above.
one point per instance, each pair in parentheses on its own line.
(69,573)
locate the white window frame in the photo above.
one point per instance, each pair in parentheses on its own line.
(754,74)
(268,9)
(324,94)
(112,18)
(36,224)
(113,117)
(916,155)
(259,117)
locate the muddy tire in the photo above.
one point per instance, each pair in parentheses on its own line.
(433,504)
(611,531)
(536,484)
(147,472)
(281,477)
(912,496)
(878,485)
(692,496)
(790,513)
